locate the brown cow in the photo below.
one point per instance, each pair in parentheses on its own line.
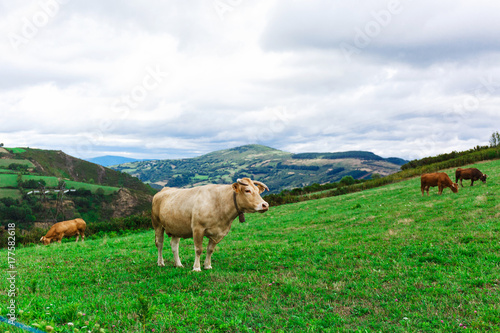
(203,211)
(65,228)
(471,173)
(439,179)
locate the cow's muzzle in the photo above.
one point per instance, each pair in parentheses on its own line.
(263,207)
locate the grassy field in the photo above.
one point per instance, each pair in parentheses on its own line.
(16,150)
(5,162)
(9,193)
(92,187)
(382,260)
(10,180)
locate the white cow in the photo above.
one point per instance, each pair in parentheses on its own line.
(204,211)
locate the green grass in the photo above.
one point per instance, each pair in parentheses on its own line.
(93,188)
(9,193)
(382,260)
(10,180)
(5,162)
(16,150)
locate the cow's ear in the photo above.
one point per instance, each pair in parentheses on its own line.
(236,187)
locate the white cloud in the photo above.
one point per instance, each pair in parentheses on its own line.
(171,79)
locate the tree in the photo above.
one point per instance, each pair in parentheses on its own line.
(347,180)
(495,139)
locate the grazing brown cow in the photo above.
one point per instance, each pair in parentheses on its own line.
(65,228)
(439,179)
(471,173)
(203,211)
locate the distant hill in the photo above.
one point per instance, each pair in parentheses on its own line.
(109,160)
(101,192)
(278,169)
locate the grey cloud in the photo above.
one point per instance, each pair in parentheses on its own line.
(413,33)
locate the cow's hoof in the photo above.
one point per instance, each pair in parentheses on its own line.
(196,269)
(161,263)
(208,267)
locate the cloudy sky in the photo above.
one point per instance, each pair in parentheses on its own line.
(170,79)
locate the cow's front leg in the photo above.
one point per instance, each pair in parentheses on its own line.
(198,248)
(210,250)
(472,182)
(174,243)
(159,236)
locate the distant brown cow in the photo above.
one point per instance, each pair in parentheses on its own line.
(65,228)
(439,179)
(471,173)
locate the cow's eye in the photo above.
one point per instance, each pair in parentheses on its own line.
(248,191)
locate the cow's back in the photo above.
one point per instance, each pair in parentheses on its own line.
(429,179)
(435,179)
(444,179)
(70,227)
(173,208)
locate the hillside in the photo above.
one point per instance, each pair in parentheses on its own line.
(382,260)
(102,192)
(278,169)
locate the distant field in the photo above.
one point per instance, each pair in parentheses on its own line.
(91,187)
(10,180)
(49,181)
(382,260)
(5,162)
(9,193)
(4,171)
(16,150)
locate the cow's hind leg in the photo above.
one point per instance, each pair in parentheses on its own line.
(210,250)
(174,244)
(159,236)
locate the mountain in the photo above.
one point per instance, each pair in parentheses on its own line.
(109,160)
(278,169)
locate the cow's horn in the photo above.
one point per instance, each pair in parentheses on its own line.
(241,182)
(260,183)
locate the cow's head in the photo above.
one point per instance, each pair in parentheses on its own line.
(454,187)
(483,178)
(45,240)
(248,195)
